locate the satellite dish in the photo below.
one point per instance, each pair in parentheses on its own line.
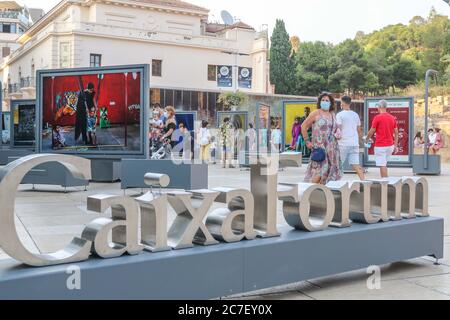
(227,17)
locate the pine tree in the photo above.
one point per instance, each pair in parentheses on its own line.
(282,65)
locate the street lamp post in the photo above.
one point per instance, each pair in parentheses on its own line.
(427,94)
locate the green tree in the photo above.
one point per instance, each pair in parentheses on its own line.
(350,74)
(282,66)
(371,84)
(351,53)
(232,99)
(404,73)
(380,63)
(313,68)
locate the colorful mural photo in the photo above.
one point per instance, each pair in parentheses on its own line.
(92,113)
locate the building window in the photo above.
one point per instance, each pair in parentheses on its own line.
(212,72)
(96,60)
(6,27)
(6,51)
(33,68)
(64,55)
(157,68)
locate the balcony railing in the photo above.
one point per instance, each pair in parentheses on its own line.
(27,82)
(13,88)
(10,14)
(132,33)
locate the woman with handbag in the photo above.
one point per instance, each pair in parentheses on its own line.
(324,164)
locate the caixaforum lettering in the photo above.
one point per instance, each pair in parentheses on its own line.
(140,224)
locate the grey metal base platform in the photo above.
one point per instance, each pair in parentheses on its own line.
(434,165)
(6,154)
(52,173)
(183,176)
(105,170)
(227,269)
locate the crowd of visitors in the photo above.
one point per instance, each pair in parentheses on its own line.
(328,138)
(436,141)
(162,127)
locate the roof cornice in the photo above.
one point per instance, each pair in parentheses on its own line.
(140,4)
(46,19)
(61,6)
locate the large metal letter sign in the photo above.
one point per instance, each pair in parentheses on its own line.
(191,209)
(361,205)
(154,222)
(234,223)
(308,200)
(10,178)
(138,224)
(154,214)
(264,179)
(123,225)
(342,192)
(421,204)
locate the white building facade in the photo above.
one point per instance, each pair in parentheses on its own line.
(15,19)
(174,37)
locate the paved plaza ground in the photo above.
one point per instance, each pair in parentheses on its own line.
(47,218)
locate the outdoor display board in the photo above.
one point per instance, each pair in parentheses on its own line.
(402,108)
(189,120)
(245,77)
(291,111)
(224,76)
(106,121)
(23,123)
(239,124)
(5,127)
(263,128)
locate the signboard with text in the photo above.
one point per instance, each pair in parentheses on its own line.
(225,76)
(402,109)
(245,77)
(263,128)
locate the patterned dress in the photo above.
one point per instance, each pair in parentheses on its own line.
(323,131)
(225,136)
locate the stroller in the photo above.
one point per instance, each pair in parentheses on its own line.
(160,150)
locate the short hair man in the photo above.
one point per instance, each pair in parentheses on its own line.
(385,127)
(351,130)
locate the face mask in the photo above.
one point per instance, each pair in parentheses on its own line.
(166,115)
(325,105)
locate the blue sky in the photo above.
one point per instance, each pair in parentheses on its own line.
(325,20)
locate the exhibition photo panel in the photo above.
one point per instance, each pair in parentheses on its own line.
(23,123)
(295,113)
(263,128)
(86,112)
(240,140)
(6,127)
(403,110)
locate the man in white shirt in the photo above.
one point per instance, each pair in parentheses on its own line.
(350,127)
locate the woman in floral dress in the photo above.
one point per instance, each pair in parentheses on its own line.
(325,134)
(225,140)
